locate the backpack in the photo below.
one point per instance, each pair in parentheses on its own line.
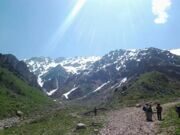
(144,109)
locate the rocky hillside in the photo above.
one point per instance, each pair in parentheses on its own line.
(20,68)
(151,86)
(109,73)
(18,89)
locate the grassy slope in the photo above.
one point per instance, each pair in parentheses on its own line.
(171,123)
(15,94)
(62,122)
(152,86)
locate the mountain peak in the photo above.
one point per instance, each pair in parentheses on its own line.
(175,51)
(89,73)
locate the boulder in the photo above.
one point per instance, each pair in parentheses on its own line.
(81,126)
(6,126)
(96,130)
(138,105)
(19,113)
(74,115)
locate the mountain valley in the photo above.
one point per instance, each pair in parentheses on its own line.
(54,95)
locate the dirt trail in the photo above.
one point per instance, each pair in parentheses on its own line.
(130,121)
(9,122)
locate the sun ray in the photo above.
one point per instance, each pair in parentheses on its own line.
(65,25)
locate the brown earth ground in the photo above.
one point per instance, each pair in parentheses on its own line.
(131,121)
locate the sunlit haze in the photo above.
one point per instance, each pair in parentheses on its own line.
(71,28)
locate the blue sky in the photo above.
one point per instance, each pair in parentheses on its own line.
(86,27)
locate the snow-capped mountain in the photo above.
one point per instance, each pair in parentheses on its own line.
(41,66)
(81,78)
(175,51)
(117,68)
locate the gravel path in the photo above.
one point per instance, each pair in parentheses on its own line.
(9,122)
(129,121)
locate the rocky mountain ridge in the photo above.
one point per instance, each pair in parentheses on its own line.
(11,63)
(19,90)
(108,73)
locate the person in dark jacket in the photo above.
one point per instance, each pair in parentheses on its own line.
(149,113)
(159,111)
(178,110)
(95,111)
(145,108)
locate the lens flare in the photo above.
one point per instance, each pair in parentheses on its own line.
(66,24)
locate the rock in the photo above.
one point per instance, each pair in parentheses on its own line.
(81,126)
(6,127)
(138,105)
(95,124)
(1,128)
(19,113)
(9,122)
(96,130)
(74,115)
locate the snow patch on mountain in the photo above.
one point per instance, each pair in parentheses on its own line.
(77,64)
(120,60)
(122,81)
(51,92)
(72,65)
(66,95)
(39,80)
(100,87)
(175,51)
(117,85)
(42,65)
(54,90)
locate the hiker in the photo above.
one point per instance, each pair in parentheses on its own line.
(95,111)
(145,107)
(178,110)
(149,113)
(159,111)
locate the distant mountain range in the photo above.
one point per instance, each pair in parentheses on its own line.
(83,78)
(119,77)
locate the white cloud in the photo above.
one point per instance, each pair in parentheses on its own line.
(159,9)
